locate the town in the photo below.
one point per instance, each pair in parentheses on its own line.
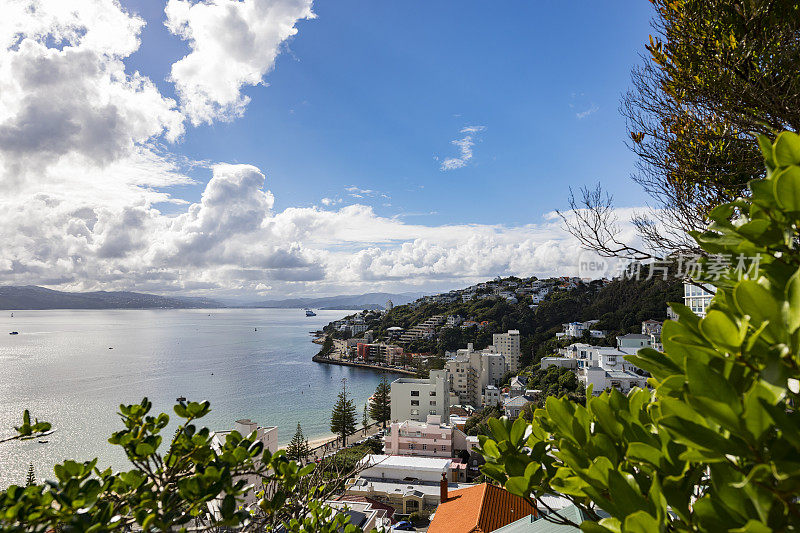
(416,463)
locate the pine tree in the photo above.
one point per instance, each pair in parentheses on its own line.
(380,410)
(365,418)
(298,448)
(343,418)
(31,479)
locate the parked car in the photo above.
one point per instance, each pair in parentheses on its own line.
(403,525)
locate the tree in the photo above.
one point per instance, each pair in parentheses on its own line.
(717,72)
(172,490)
(343,418)
(365,418)
(714,445)
(298,446)
(380,409)
(31,478)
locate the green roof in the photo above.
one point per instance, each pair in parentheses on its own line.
(529,525)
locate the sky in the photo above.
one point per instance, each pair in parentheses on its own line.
(273,148)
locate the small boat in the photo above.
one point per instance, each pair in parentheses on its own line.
(255,329)
(180,399)
(43,441)
(110,347)
(309,312)
(14,333)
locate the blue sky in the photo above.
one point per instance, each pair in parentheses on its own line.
(369,97)
(272,148)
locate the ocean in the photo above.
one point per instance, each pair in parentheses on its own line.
(74,368)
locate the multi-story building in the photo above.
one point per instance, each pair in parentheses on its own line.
(380,353)
(431,438)
(697,297)
(508,344)
(408,484)
(268,435)
(491,395)
(424,329)
(602,367)
(470,371)
(415,399)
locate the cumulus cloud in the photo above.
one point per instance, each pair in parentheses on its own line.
(464,145)
(233,43)
(87,164)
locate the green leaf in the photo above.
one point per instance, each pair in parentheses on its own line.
(786,149)
(787,188)
(793,300)
(641,522)
(722,331)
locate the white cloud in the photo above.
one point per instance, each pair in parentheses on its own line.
(234,43)
(587,112)
(85,163)
(464,145)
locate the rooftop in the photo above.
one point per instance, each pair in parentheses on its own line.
(403,461)
(479,509)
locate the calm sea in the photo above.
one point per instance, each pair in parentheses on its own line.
(73,368)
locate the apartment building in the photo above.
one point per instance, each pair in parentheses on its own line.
(424,329)
(268,435)
(431,438)
(380,353)
(508,344)
(698,297)
(470,371)
(602,367)
(415,399)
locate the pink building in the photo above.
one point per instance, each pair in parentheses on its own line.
(424,439)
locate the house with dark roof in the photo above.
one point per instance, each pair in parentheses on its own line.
(478,509)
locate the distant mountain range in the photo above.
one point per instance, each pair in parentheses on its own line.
(33,297)
(372,300)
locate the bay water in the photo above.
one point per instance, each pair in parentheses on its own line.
(74,367)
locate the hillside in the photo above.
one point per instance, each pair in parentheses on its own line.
(33,297)
(620,306)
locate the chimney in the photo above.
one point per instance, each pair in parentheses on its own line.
(443,488)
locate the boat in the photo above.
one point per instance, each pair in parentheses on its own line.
(43,441)
(180,399)
(14,333)
(309,312)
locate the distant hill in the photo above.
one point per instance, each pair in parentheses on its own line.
(33,297)
(373,300)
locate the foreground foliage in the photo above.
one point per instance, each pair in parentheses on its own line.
(195,484)
(715,446)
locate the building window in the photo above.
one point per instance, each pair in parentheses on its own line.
(414,393)
(433,402)
(433,393)
(414,402)
(432,412)
(414,412)
(411,446)
(424,446)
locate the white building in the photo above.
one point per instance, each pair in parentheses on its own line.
(407,483)
(415,399)
(634,341)
(268,435)
(601,366)
(508,344)
(697,298)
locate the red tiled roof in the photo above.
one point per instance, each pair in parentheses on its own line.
(479,509)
